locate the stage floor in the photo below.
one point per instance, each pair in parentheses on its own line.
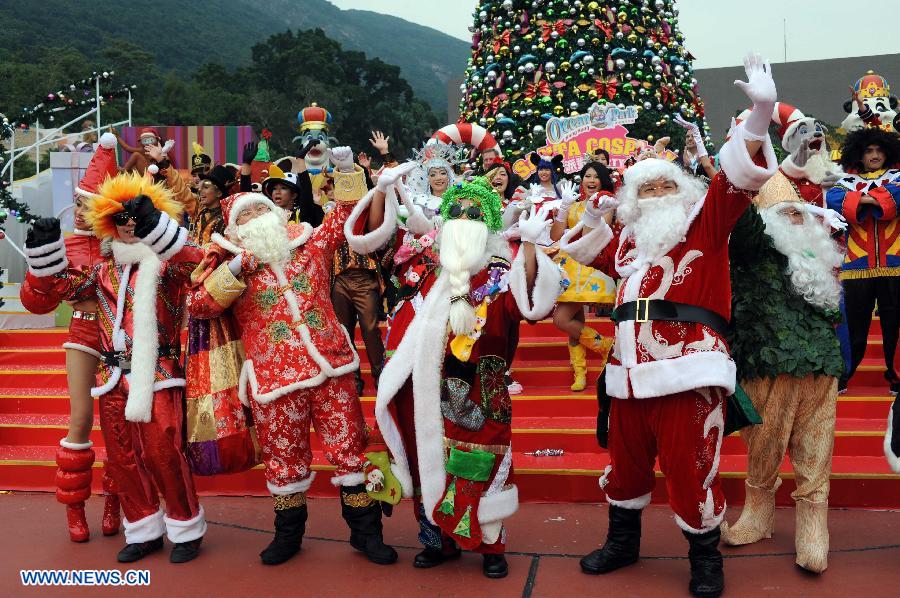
(545,543)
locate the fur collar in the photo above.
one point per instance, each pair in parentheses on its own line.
(131,253)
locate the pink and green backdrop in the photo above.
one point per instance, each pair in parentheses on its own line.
(222,143)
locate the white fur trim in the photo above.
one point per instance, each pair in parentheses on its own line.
(739,167)
(714,522)
(498,506)
(75,446)
(145,341)
(99,391)
(651,169)
(45,249)
(149,528)
(162,227)
(303,237)
(225,243)
(585,249)
(179,531)
(122,252)
(376,239)
(83,233)
(292,488)
(670,376)
(82,348)
(246,199)
(60,267)
(892,459)
(349,479)
(792,170)
(546,286)
(634,504)
(130,253)
(170,383)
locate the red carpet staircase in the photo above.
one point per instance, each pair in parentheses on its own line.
(34,407)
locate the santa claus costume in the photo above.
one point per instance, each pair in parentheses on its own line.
(442,406)
(139,290)
(300,365)
(670,370)
(786,299)
(75,456)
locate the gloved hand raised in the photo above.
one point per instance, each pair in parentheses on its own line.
(250,150)
(44,231)
(146,215)
(45,251)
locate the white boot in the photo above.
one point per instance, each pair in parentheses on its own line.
(811,540)
(757,520)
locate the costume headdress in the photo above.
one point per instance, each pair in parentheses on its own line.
(115,191)
(480,191)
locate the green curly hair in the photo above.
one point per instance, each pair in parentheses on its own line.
(480,191)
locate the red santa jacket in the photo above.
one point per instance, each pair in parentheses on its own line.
(140,307)
(291,335)
(83,252)
(659,358)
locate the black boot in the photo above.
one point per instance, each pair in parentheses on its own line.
(137,551)
(363,516)
(432,557)
(623,543)
(290,525)
(707,575)
(185,551)
(494,566)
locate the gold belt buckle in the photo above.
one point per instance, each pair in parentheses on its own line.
(642,310)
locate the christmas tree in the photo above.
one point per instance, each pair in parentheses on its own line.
(536,59)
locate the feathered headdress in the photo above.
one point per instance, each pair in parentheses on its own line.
(434,154)
(115,191)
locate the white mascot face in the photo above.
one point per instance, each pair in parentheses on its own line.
(884,107)
(807,128)
(318,155)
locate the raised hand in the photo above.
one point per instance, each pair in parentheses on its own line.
(249,153)
(364,160)
(391,176)
(379,142)
(568,194)
(801,156)
(146,215)
(44,231)
(760,86)
(342,158)
(831,179)
(533,225)
(305,149)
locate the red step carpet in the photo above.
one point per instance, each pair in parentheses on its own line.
(34,408)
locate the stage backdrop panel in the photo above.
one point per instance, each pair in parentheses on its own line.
(221,143)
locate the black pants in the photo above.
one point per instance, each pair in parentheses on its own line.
(860,297)
(356,295)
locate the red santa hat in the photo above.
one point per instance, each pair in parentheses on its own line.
(148,131)
(102,166)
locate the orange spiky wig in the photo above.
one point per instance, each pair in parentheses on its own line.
(115,191)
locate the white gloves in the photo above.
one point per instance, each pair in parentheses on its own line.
(235,265)
(833,219)
(342,158)
(568,191)
(593,213)
(801,156)
(694,131)
(532,227)
(391,176)
(760,88)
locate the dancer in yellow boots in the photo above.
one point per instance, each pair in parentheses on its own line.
(785,304)
(586,285)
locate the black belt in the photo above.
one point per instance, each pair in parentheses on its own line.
(646,310)
(122,359)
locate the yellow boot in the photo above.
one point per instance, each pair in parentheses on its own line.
(578,358)
(596,342)
(757,520)
(812,535)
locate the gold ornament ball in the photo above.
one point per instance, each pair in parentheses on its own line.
(558,110)
(650,138)
(592,94)
(592,6)
(490,122)
(622,16)
(528,101)
(595,41)
(632,38)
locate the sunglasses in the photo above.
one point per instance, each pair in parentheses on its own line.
(470,213)
(122,218)
(148,140)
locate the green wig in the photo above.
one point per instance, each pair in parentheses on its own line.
(480,191)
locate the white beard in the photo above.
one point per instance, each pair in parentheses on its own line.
(661,223)
(816,167)
(265,237)
(463,244)
(812,256)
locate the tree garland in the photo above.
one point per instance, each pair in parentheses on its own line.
(9,206)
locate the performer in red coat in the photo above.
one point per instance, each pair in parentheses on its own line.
(443,406)
(301,361)
(75,457)
(140,291)
(670,370)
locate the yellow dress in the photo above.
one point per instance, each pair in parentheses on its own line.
(586,285)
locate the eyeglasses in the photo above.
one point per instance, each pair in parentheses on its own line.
(122,218)
(148,140)
(470,213)
(257,209)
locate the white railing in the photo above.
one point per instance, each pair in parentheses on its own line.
(57,136)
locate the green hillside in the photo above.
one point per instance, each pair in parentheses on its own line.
(182,36)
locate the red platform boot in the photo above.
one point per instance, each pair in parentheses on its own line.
(111,517)
(73,484)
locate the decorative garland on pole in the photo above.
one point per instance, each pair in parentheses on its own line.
(9,206)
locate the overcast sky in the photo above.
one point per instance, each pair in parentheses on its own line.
(718,32)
